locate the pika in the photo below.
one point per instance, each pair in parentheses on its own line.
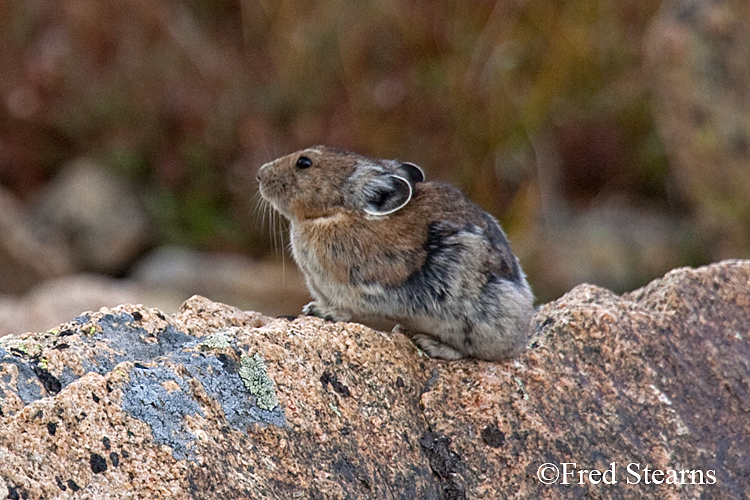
(374,240)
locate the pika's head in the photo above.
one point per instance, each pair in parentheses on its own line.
(322,182)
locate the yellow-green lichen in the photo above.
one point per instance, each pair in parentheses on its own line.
(521,387)
(44,363)
(335,409)
(23,346)
(253,373)
(218,340)
(18,345)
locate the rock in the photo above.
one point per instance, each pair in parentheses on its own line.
(56,300)
(98,214)
(127,402)
(697,55)
(25,258)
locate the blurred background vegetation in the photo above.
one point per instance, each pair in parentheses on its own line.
(540,111)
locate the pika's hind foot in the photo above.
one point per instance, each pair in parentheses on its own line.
(434,348)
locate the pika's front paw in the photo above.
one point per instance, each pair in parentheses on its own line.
(315,309)
(434,348)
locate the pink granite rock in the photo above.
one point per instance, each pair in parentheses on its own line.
(215,402)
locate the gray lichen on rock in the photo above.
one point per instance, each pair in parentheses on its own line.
(254,375)
(164,410)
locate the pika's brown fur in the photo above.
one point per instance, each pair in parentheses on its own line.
(374,240)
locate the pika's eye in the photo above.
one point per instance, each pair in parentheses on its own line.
(304,162)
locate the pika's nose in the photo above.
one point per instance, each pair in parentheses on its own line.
(259,172)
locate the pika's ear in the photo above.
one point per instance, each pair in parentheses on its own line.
(386,194)
(410,172)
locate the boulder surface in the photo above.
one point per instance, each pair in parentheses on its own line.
(215,402)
